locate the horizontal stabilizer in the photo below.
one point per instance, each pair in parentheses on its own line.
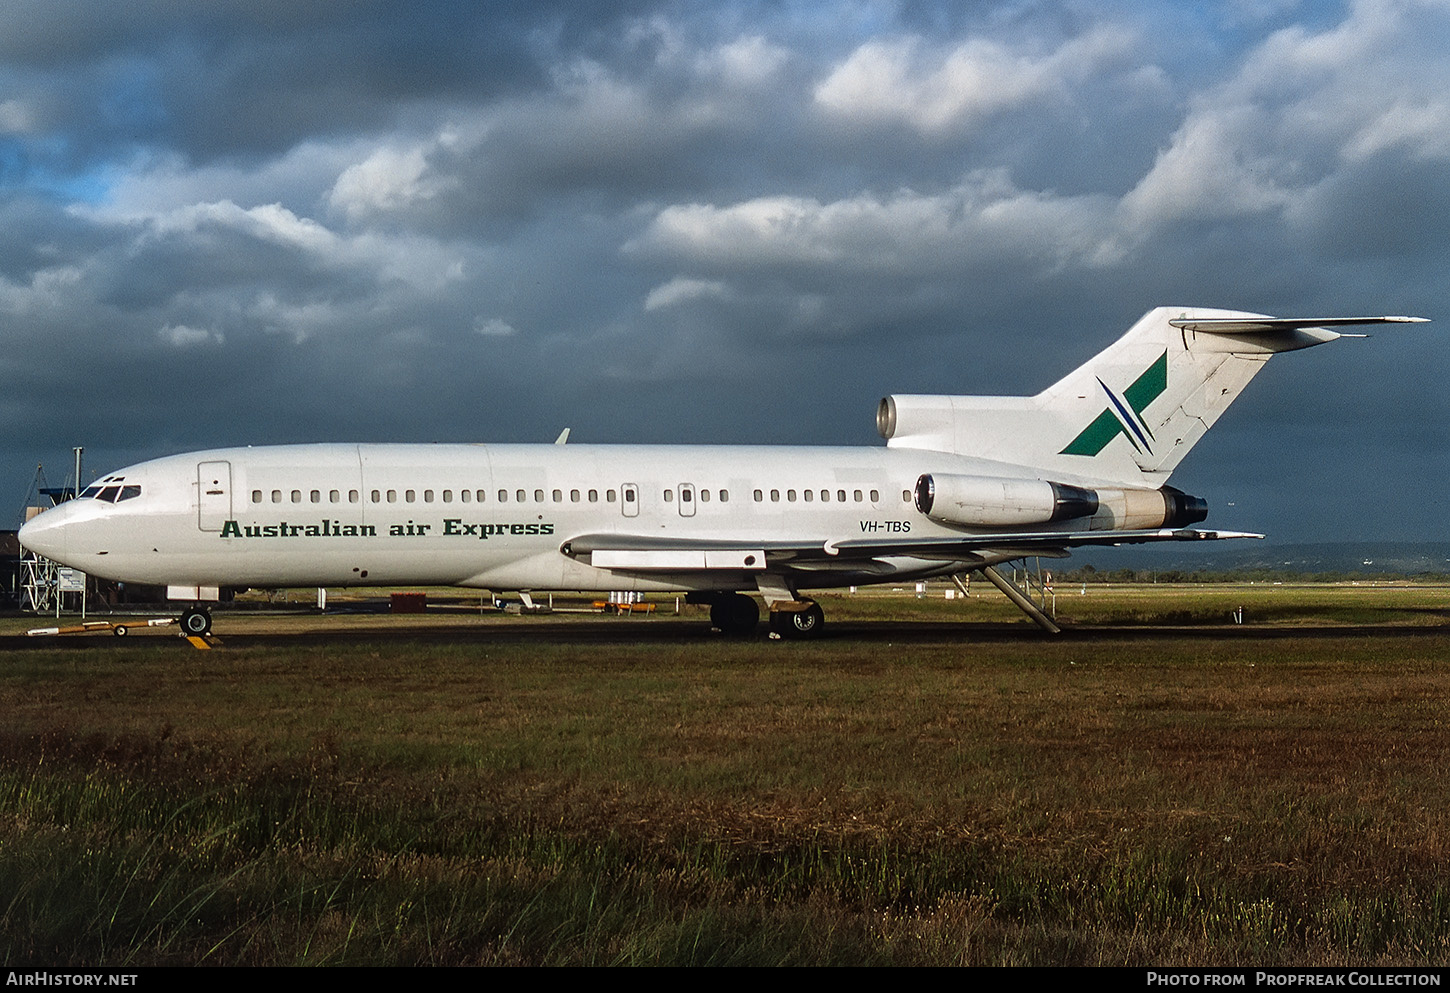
(1265,325)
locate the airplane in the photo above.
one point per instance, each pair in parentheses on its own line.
(963,483)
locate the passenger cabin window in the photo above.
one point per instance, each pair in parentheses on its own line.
(276,496)
(427,496)
(447,496)
(256,496)
(759,496)
(410,495)
(875,496)
(296,496)
(352,496)
(392,496)
(316,496)
(376,496)
(724,496)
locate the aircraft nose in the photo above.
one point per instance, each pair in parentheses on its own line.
(44,534)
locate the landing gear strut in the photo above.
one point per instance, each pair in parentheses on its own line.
(195,622)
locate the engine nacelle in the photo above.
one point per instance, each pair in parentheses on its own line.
(1182,508)
(1133,509)
(918,421)
(1000,501)
(992,501)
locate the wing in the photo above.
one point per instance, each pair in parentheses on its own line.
(648,553)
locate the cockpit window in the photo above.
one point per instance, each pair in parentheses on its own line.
(112,493)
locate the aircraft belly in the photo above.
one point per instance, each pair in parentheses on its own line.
(527,569)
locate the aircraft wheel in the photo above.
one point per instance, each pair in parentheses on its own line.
(808,623)
(195,622)
(119,630)
(734,613)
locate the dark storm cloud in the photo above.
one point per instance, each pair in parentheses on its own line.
(260,222)
(252,79)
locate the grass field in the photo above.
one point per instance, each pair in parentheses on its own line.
(493,789)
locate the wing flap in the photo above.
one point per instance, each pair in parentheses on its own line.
(678,559)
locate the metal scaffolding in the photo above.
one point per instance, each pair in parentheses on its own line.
(47,587)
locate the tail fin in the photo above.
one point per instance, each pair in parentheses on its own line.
(1131,413)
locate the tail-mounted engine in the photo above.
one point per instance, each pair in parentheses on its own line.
(995,501)
(991,501)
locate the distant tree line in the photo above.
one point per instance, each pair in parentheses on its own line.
(1090,574)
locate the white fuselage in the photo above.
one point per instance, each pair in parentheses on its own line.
(491,516)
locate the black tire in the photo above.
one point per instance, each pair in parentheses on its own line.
(119,630)
(735,614)
(808,623)
(195,622)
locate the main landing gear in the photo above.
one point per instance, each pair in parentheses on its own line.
(195,622)
(737,615)
(807,622)
(734,614)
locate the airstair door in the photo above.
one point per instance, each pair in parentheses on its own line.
(629,500)
(214,494)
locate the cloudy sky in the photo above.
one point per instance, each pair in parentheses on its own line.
(296,220)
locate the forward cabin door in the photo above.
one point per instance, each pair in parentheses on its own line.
(214,494)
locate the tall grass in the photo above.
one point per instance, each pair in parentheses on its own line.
(503,799)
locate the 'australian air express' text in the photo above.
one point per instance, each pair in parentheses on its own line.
(451,527)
